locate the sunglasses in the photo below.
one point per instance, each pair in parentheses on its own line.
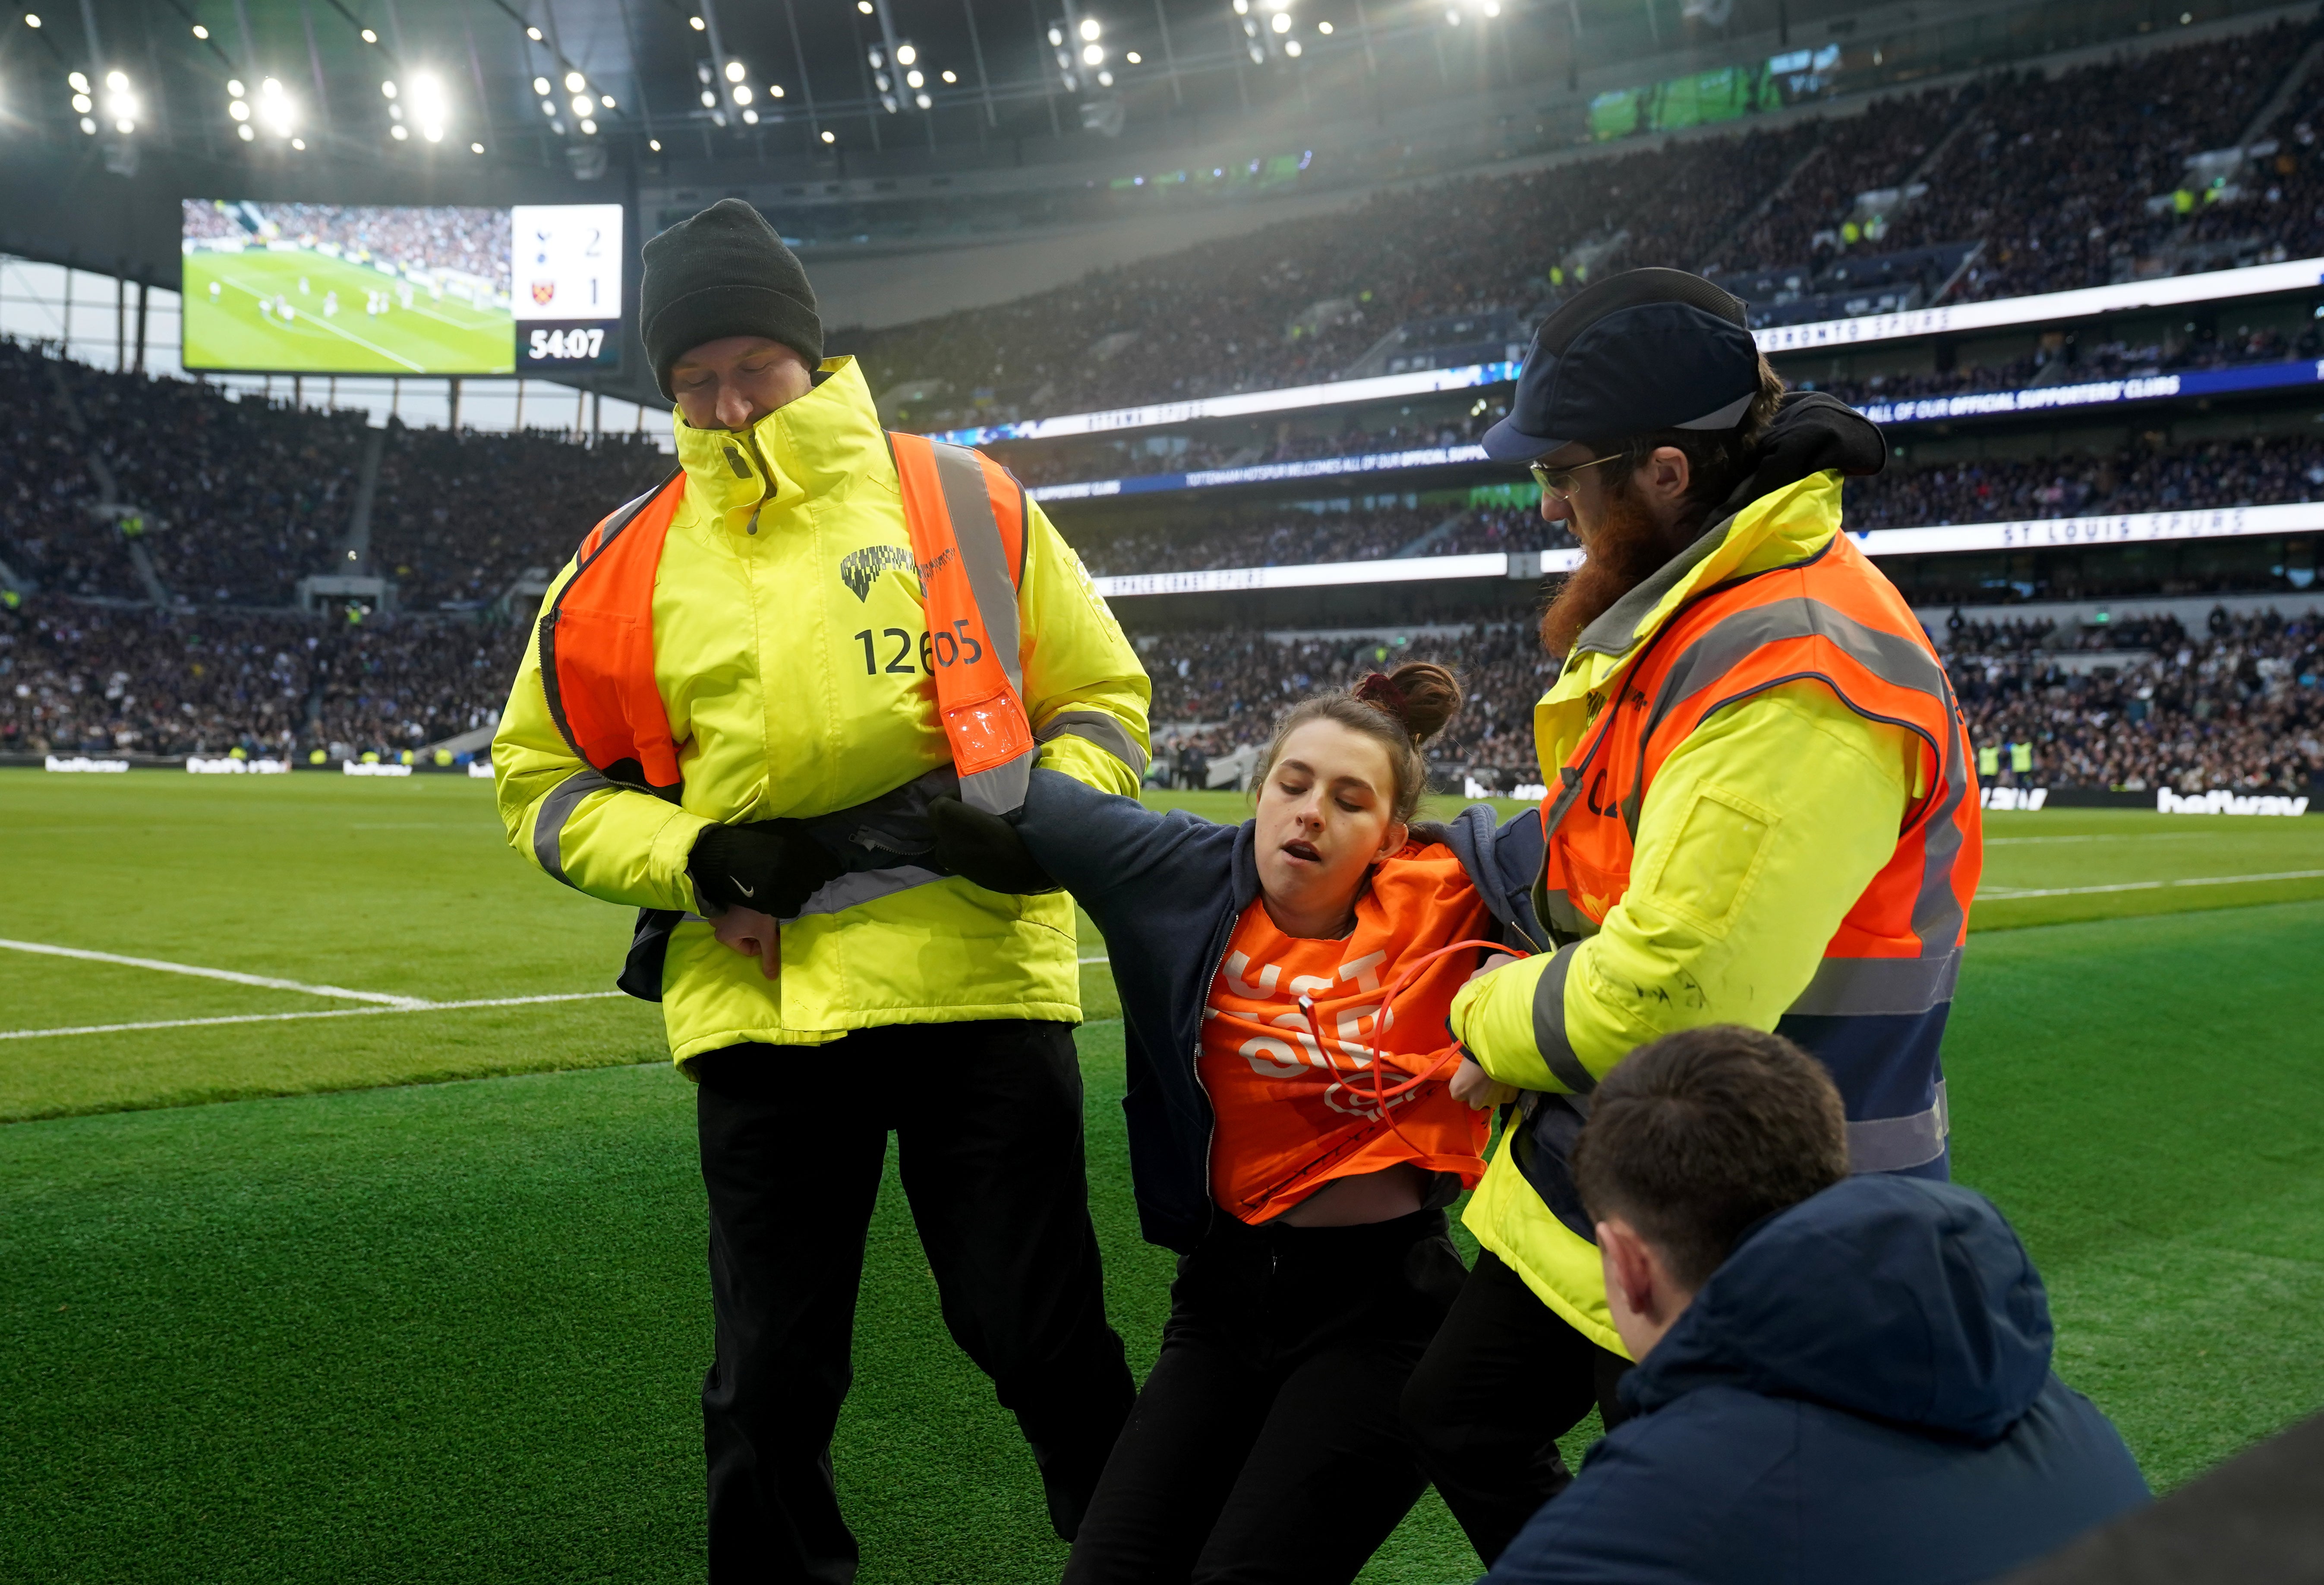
(1559,482)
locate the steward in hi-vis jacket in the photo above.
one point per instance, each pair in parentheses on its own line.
(1762,811)
(740,697)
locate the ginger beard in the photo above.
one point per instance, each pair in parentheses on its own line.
(1625,547)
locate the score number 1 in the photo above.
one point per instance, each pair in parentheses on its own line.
(568,345)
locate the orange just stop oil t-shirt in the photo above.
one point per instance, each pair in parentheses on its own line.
(1286,1122)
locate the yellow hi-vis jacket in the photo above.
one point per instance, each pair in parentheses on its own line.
(787,651)
(1820,793)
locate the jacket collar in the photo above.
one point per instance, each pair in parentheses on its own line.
(802,451)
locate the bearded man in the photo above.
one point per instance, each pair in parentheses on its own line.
(1762,813)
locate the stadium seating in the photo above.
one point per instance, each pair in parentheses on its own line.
(2053,175)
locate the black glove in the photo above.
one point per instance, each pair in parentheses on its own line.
(771,865)
(986,848)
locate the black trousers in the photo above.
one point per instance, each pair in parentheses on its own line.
(1505,1377)
(1267,1446)
(988,1120)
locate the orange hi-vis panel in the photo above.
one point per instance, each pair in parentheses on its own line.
(966,518)
(1874,1012)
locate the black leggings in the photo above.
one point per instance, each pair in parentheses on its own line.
(1505,1377)
(1268,1445)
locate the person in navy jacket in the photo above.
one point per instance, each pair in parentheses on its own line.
(1839,1378)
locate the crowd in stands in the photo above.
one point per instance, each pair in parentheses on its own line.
(2140,478)
(1049,465)
(460,516)
(2052,172)
(2239,706)
(77,678)
(2070,365)
(1295,538)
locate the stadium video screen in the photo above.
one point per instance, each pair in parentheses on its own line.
(329,289)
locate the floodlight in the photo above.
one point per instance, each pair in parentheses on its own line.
(951,77)
(1292,49)
(370,37)
(653,143)
(742,93)
(735,72)
(387,88)
(906,55)
(866,8)
(233,87)
(299,144)
(1134,58)
(774,90)
(533,33)
(1243,7)
(588,127)
(709,100)
(541,87)
(1056,37)
(876,59)
(879,80)
(397,132)
(200,31)
(244,132)
(479,148)
(1492,7)
(913,79)
(922,100)
(82,102)
(697,25)
(1324,28)
(1452,18)
(1105,79)
(1281,22)
(238,110)
(575,82)
(750,118)
(548,108)
(88,126)
(830,137)
(1090,31)
(31,20)
(77,82)
(1092,54)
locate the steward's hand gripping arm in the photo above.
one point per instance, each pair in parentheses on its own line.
(1757,836)
(612,842)
(1085,690)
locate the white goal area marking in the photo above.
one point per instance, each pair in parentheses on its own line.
(336,1012)
(232,976)
(381,1001)
(2011,893)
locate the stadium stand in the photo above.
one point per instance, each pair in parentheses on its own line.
(2053,175)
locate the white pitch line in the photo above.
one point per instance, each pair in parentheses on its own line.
(1094,960)
(230,976)
(2005,894)
(336,1012)
(2019,842)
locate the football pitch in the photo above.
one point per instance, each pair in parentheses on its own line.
(351,1229)
(327,315)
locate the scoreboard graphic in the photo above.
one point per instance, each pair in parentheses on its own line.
(564,276)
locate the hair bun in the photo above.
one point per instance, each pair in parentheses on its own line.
(1419,694)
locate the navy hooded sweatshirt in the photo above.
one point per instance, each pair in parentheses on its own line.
(1859,1396)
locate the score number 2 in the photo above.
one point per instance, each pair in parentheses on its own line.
(571,345)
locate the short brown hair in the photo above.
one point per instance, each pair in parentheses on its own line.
(1717,460)
(1400,712)
(1692,1139)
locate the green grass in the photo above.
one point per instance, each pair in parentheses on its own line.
(225,329)
(350,1325)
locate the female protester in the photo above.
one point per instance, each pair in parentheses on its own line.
(1283,987)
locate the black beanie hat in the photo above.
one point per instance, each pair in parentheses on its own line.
(724,273)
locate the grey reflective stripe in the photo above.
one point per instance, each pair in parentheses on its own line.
(1098,728)
(1000,790)
(978,534)
(1937,912)
(556,809)
(1871,986)
(1549,1024)
(1893,658)
(863,886)
(1893,1144)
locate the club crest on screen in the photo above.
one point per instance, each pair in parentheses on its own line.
(542,290)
